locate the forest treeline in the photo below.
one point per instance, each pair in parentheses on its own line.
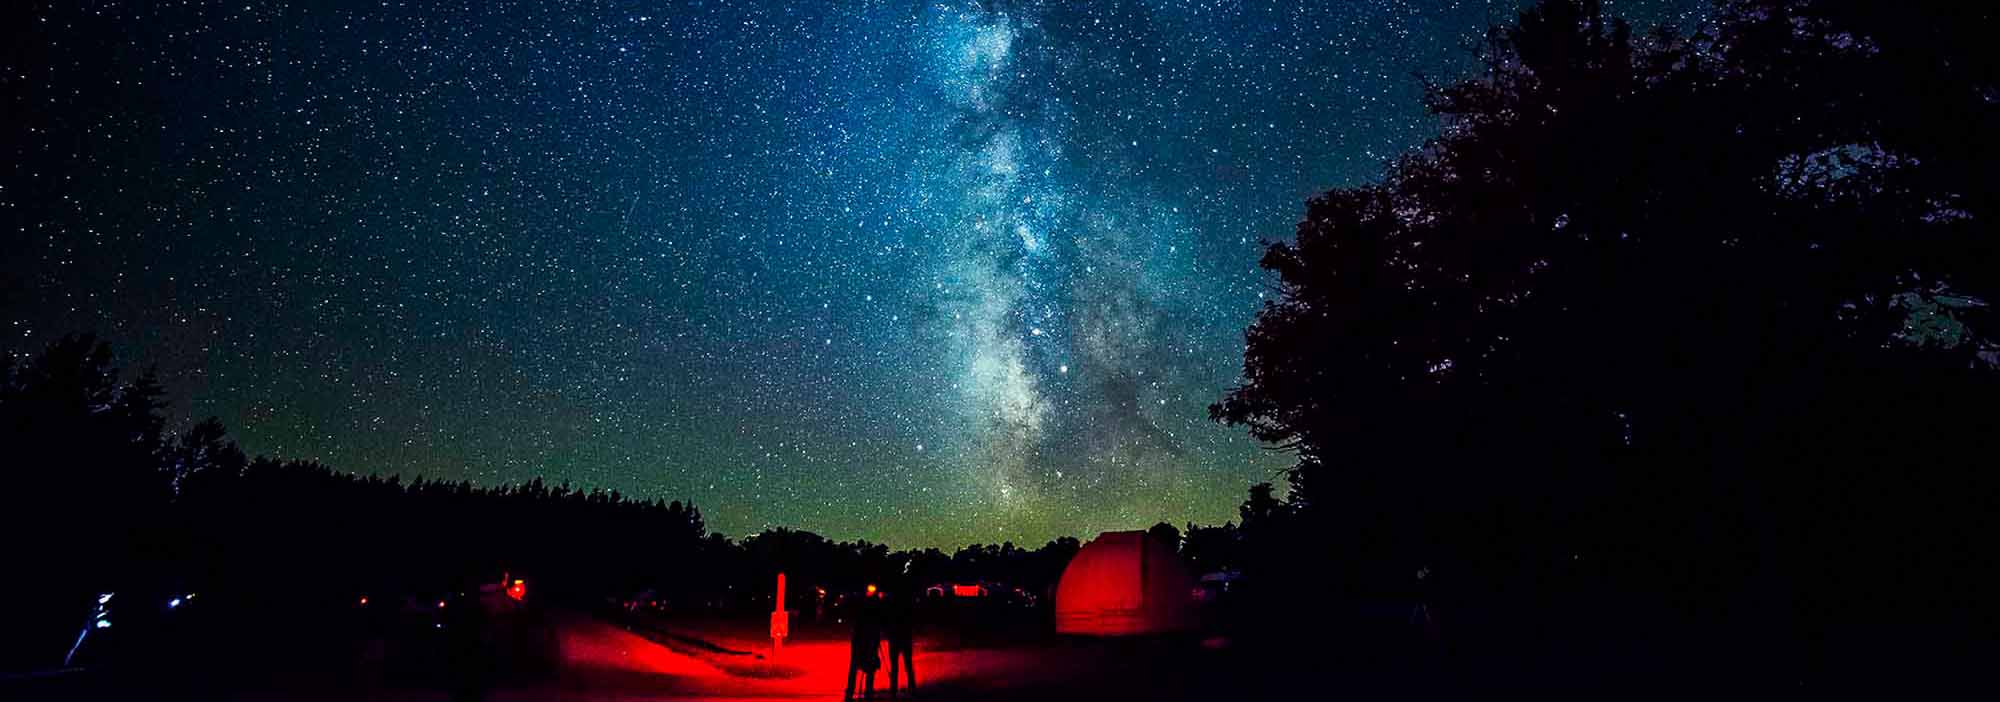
(103,498)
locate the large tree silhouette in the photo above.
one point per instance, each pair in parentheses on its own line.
(1706,311)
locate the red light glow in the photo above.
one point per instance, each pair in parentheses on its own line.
(812,669)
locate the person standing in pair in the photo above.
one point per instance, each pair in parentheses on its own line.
(899,627)
(864,655)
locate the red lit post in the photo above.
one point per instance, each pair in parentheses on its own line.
(781,624)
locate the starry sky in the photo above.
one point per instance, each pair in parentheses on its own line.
(926,273)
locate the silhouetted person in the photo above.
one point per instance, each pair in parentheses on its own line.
(864,655)
(465,633)
(1424,616)
(899,627)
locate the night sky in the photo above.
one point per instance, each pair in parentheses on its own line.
(923,273)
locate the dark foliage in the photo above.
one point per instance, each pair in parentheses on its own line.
(1167,534)
(1213,548)
(1696,327)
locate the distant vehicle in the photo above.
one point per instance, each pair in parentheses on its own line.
(982,591)
(420,632)
(647,600)
(1214,586)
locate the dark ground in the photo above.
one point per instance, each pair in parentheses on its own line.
(1376,653)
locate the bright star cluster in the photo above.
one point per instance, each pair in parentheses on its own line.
(927,273)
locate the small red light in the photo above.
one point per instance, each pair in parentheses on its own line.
(871,590)
(364,600)
(440,604)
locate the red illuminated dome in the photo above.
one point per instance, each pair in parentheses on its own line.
(1124,583)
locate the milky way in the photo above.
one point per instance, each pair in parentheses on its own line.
(929,273)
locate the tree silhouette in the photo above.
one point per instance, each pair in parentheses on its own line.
(1210,549)
(1701,310)
(104,499)
(84,489)
(1166,533)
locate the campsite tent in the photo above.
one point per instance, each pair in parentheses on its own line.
(1124,583)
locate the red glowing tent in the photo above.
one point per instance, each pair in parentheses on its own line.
(1123,583)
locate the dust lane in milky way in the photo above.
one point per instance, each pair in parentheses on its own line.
(920,272)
